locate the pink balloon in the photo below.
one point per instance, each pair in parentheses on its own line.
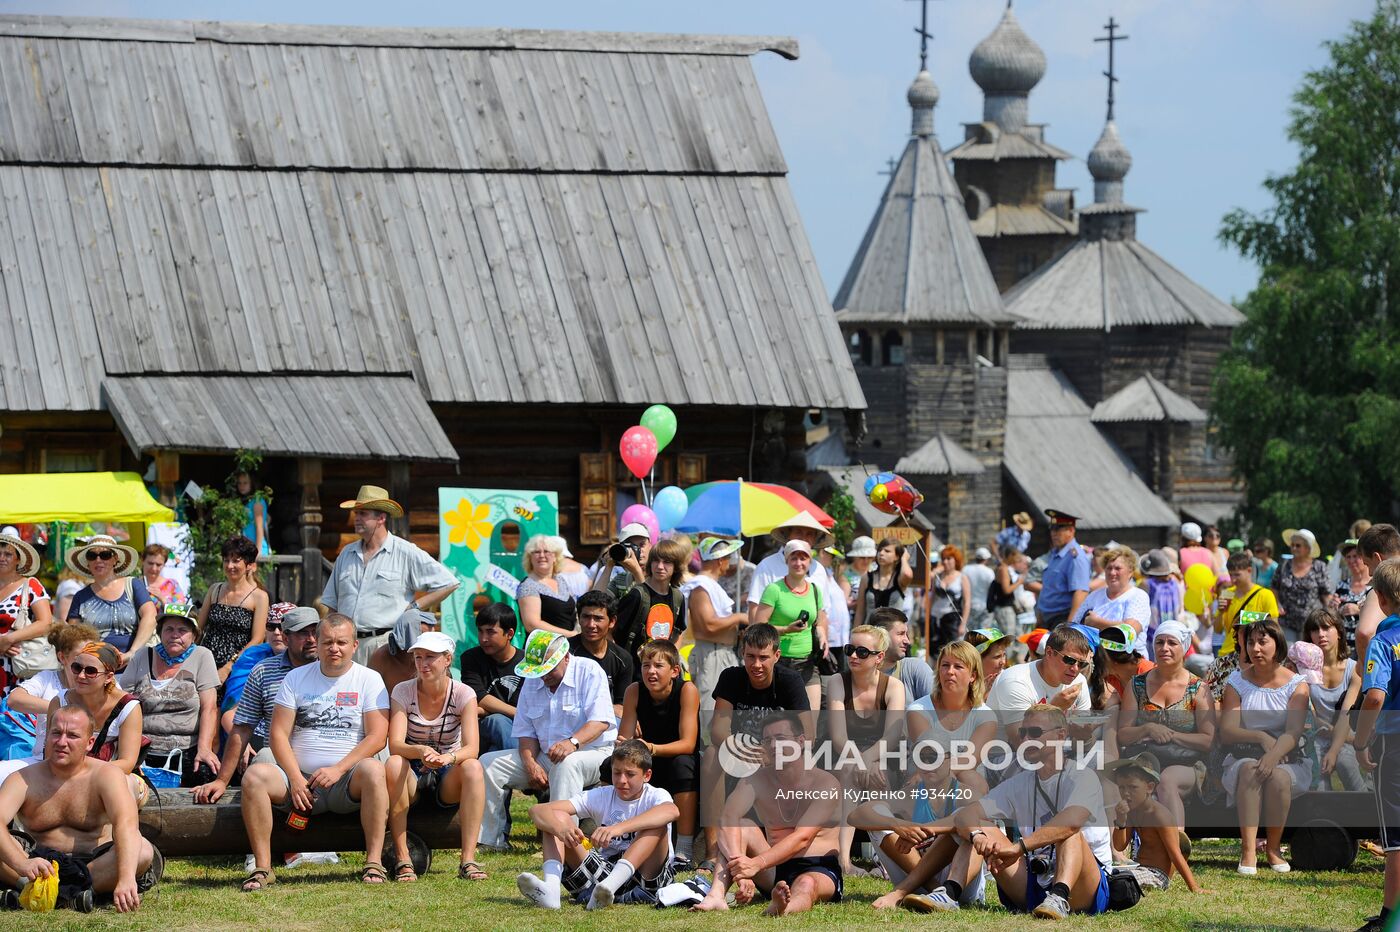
(642,515)
(638,449)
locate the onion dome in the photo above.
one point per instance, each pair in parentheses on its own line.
(1007,62)
(1108,163)
(923,96)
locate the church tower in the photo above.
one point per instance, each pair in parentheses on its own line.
(928,336)
(1004,167)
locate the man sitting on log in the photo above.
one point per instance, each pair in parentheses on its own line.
(81,816)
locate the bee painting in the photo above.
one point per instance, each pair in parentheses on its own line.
(524,513)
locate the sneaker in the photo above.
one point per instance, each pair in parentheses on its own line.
(533,889)
(1053,906)
(681,864)
(249,864)
(936,902)
(9,900)
(292,859)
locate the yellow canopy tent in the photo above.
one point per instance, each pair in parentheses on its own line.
(79,496)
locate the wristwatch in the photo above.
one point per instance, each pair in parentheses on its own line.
(974,833)
(573,741)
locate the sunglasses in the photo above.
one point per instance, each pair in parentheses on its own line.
(102,555)
(1073,663)
(78,669)
(274,626)
(1033,731)
(862,652)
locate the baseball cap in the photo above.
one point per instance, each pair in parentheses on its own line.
(796,546)
(299,619)
(1144,763)
(178,610)
(985,638)
(717,548)
(1191,531)
(1119,637)
(982,553)
(435,642)
(635,529)
(543,651)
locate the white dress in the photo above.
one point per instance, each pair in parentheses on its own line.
(1264,709)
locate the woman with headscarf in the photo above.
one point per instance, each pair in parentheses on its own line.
(119,607)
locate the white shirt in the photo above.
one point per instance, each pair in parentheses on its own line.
(42,685)
(330,712)
(943,737)
(1132,605)
(605,807)
(1020,687)
(376,593)
(1017,800)
(583,696)
(721,601)
(838,614)
(773,567)
(981,576)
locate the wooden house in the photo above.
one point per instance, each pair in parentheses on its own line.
(412,257)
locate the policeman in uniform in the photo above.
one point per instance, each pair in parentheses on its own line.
(1066,580)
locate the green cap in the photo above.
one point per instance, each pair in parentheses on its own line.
(181,610)
(985,638)
(1119,637)
(543,651)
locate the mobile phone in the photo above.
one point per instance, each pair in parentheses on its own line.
(802,618)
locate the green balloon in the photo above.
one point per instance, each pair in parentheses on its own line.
(661,421)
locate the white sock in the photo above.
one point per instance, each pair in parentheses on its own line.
(685,846)
(553,872)
(621,873)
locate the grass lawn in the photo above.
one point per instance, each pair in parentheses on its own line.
(202,893)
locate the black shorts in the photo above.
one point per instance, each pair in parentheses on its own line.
(788,871)
(805,667)
(1385,750)
(676,774)
(430,782)
(73,868)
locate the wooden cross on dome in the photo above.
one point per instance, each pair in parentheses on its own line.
(924,35)
(1111,38)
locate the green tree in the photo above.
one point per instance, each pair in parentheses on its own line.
(215,518)
(1307,398)
(842,508)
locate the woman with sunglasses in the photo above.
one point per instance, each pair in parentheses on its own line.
(1351,592)
(177,684)
(233,616)
(1168,712)
(115,713)
(119,607)
(1261,730)
(32,696)
(864,705)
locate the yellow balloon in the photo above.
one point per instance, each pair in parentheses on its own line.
(1195,601)
(1200,576)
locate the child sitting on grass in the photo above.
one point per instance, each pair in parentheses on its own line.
(628,856)
(663,711)
(1144,823)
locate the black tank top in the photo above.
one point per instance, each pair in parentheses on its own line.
(660,721)
(998,599)
(865,728)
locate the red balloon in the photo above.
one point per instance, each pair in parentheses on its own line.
(638,450)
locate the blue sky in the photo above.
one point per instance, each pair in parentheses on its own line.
(1203,99)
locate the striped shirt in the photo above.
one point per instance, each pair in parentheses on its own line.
(444,733)
(256,704)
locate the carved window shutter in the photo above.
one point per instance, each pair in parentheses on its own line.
(595,498)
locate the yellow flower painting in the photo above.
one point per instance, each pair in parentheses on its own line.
(469,523)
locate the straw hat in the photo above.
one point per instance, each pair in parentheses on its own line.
(374,498)
(126,562)
(1022,521)
(28,556)
(802,519)
(1313,548)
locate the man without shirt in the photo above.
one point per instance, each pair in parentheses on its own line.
(74,807)
(332,718)
(791,853)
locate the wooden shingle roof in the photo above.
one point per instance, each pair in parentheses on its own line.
(1147,399)
(504,216)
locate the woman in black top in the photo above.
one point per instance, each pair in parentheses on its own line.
(663,710)
(884,585)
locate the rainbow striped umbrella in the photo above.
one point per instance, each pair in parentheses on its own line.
(748,508)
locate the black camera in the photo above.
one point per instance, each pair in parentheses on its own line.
(1041,866)
(618,552)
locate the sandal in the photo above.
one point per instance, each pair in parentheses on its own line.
(470,870)
(404,873)
(258,880)
(374,874)
(707,866)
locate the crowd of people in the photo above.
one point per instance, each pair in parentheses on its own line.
(639,678)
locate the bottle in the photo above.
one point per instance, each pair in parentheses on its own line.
(299,819)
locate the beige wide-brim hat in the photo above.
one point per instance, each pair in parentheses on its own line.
(1022,521)
(803,519)
(1313,548)
(28,556)
(126,562)
(374,498)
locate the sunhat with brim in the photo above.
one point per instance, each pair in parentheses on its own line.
(435,642)
(374,498)
(1119,637)
(635,529)
(176,611)
(543,652)
(1145,763)
(28,563)
(861,547)
(1155,563)
(803,519)
(1313,549)
(1022,520)
(718,548)
(986,637)
(126,562)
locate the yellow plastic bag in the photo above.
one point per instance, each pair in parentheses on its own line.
(41,895)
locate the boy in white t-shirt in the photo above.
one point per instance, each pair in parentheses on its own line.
(628,856)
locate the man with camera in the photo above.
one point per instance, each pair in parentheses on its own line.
(623,561)
(1059,865)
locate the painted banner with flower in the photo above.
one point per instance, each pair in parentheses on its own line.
(482,535)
